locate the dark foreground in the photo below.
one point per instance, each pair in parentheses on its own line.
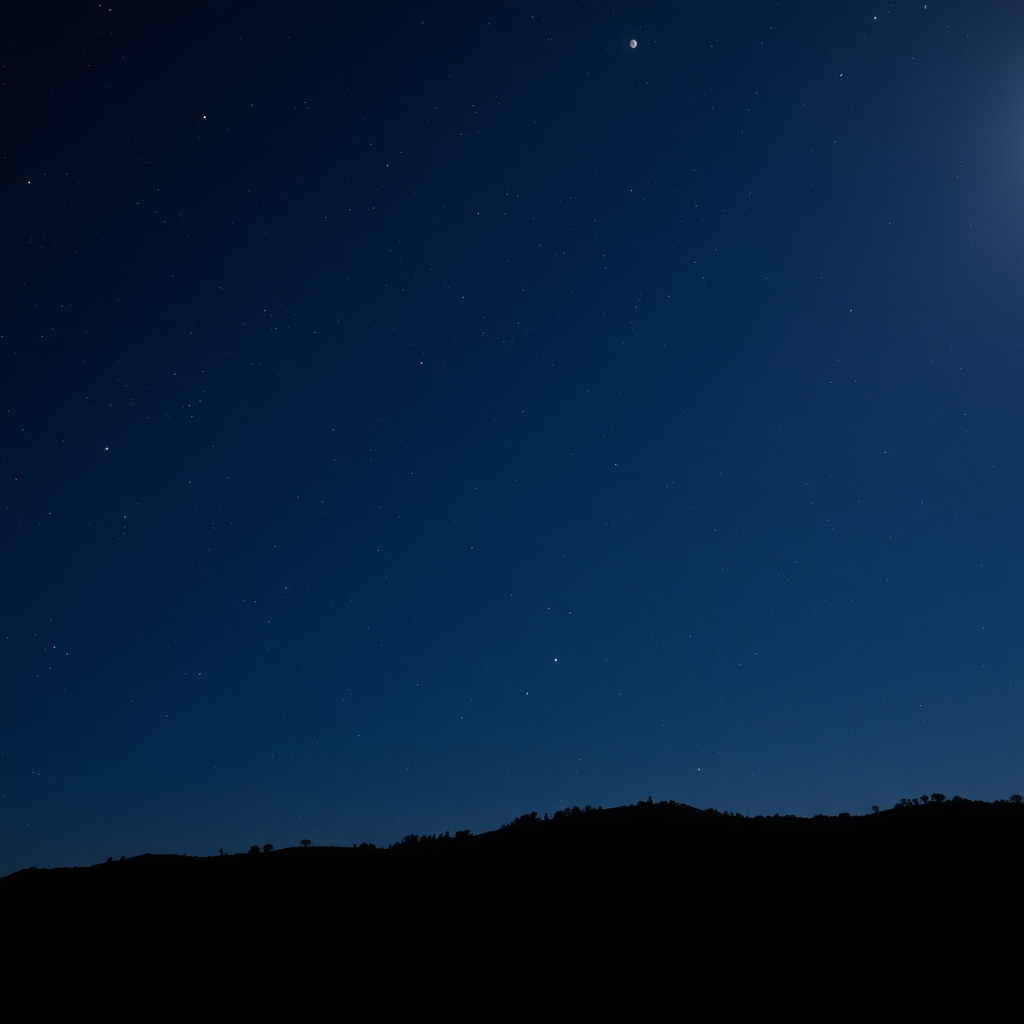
(913,914)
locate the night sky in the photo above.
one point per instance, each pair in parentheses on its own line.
(415,415)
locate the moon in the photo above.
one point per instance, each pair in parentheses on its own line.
(632,44)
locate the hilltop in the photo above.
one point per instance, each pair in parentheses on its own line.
(893,895)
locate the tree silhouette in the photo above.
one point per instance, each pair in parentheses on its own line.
(267,847)
(305,843)
(254,848)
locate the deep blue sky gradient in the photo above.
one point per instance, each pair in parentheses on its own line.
(415,415)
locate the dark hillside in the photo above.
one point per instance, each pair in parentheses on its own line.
(919,905)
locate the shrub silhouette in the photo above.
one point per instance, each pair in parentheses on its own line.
(305,843)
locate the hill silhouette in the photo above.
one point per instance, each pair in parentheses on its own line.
(911,912)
